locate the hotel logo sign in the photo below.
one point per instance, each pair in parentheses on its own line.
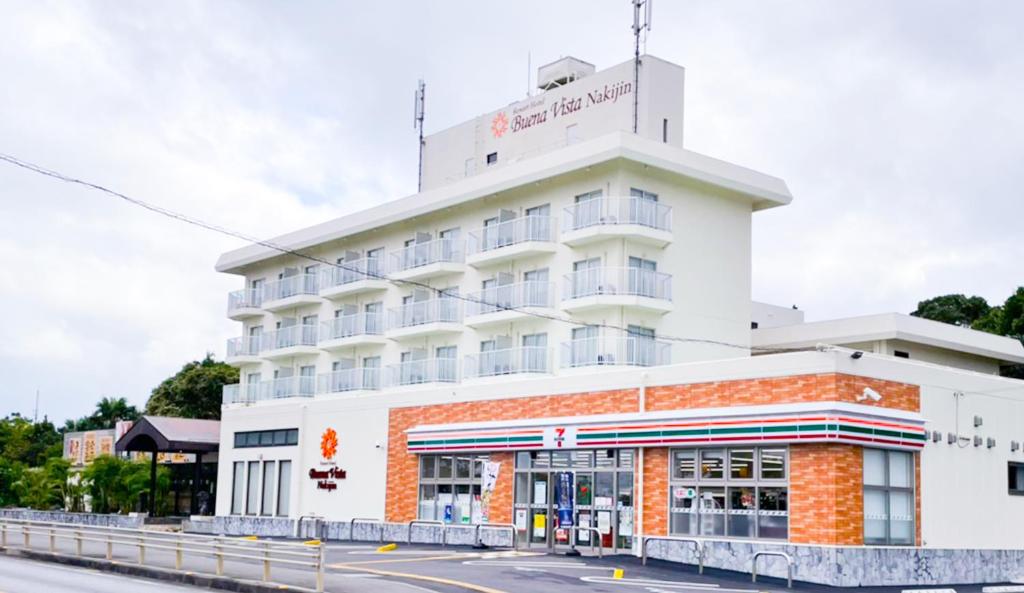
(327,478)
(536,112)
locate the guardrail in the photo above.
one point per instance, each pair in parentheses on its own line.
(789,565)
(266,552)
(511,527)
(441,524)
(352,524)
(697,544)
(594,541)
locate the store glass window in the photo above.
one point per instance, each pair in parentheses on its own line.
(737,492)
(888,497)
(1015,478)
(450,488)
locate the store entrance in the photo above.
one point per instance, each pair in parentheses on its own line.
(601,486)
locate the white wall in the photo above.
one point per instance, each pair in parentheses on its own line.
(766,315)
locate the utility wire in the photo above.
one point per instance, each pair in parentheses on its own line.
(409,283)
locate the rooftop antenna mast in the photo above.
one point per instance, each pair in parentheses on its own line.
(641,23)
(35,412)
(419,109)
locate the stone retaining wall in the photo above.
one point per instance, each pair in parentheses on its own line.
(133,521)
(854,566)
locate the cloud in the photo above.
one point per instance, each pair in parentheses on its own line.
(896,125)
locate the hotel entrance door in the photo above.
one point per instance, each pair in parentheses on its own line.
(602,498)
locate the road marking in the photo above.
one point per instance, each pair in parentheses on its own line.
(391,561)
(529,569)
(419,577)
(928,591)
(374,552)
(669,585)
(539,564)
(1003,589)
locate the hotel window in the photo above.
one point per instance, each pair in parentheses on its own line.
(1016,478)
(284,488)
(238,488)
(267,438)
(450,488)
(269,473)
(888,497)
(492,158)
(252,488)
(737,492)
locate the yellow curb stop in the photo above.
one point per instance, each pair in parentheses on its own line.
(312,542)
(387,547)
(618,573)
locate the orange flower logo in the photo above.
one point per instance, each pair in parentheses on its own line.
(329,444)
(499,125)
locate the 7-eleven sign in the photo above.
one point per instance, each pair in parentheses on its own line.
(560,437)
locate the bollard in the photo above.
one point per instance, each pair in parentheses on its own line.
(78,543)
(110,547)
(320,570)
(53,541)
(220,557)
(266,562)
(178,554)
(142,550)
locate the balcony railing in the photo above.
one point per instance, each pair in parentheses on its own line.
(295,386)
(433,370)
(231,394)
(511,296)
(354,379)
(602,211)
(509,361)
(244,346)
(249,298)
(301,284)
(346,326)
(429,311)
(429,252)
(368,268)
(510,232)
(287,337)
(617,281)
(629,350)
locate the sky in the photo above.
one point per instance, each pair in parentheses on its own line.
(897,126)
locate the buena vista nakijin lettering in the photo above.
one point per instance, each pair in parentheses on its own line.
(609,93)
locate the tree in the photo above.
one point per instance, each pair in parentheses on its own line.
(955,309)
(194,392)
(37,490)
(27,442)
(11,473)
(116,485)
(108,412)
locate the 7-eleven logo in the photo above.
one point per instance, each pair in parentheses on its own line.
(560,437)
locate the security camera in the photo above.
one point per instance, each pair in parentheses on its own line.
(870,394)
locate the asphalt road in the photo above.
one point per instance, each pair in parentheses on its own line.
(27,576)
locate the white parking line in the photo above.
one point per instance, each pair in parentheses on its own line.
(1003,589)
(928,591)
(536,564)
(668,585)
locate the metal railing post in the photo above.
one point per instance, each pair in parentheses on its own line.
(220,557)
(178,554)
(110,546)
(25,532)
(53,541)
(78,543)
(783,555)
(142,549)
(320,569)
(3,534)
(266,561)
(697,544)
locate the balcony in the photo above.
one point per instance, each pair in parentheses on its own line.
(617,287)
(295,340)
(639,219)
(300,386)
(512,239)
(419,372)
(243,350)
(511,361)
(435,316)
(293,291)
(616,351)
(429,259)
(343,381)
(510,302)
(353,277)
(361,329)
(245,304)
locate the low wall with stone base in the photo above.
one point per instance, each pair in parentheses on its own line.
(133,521)
(854,566)
(458,535)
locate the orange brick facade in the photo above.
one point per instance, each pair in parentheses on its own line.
(825,492)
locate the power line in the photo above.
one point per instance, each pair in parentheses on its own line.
(369,274)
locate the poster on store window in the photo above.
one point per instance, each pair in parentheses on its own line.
(604,522)
(563,498)
(584,536)
(626,520)
(488,482)
(540,525)
(521,519)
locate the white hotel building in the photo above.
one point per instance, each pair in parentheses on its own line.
(562,297)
